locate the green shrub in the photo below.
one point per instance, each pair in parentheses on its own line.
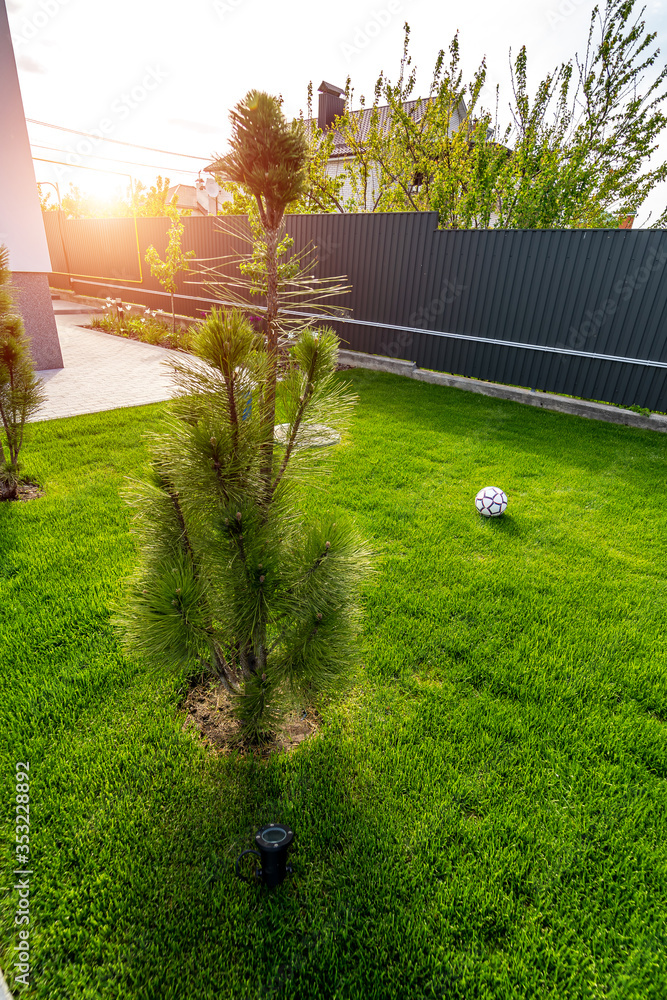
(20,390)
(149,328)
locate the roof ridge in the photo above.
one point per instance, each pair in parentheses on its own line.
(378,107)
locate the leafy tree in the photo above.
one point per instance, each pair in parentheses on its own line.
(21,391)
(242,203)
(152,203)
(76,205)
(323,190)
(45,202)
(233,578)
(137,201)
(571,156)
(175,260)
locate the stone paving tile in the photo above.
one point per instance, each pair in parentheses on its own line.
(102,372)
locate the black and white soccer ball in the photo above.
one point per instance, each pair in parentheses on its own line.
(491,502)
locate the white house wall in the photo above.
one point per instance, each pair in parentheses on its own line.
(21,224)
(338,165)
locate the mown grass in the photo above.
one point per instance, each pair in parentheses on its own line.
(483,816)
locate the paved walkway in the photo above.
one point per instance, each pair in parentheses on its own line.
(102,372)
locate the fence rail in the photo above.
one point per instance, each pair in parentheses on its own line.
(580,312)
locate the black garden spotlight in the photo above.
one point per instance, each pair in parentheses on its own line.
(272,842)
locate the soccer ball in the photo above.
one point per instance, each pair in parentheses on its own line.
(491,502)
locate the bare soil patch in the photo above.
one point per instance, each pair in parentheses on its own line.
(28,491)
(209,709)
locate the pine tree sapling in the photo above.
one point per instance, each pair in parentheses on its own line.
(21,391)
(232,580)
(268,159)
(175,259)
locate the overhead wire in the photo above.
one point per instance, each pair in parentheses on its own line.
(113,159)
(120,142)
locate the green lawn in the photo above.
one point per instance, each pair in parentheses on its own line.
(483,815)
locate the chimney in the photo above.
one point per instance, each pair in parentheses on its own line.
(626,223)
(331,103)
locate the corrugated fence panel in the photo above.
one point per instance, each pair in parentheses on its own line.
(104,249)
(54,238)
(543,309)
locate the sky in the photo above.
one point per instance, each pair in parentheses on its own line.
(164,74)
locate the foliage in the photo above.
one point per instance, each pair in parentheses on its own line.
(175,259)
(45,202)
(149,328)
(267,159)
(230,580)
(137,201)
(77,205)
(152,203)
(267,156)
(242,203)
(21,392)
(573,155)
(323,189)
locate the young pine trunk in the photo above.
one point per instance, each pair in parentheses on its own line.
(269,401)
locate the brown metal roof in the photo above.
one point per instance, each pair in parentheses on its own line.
(364,117)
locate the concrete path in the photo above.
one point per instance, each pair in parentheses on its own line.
(102,372)
(548,401)
(65,307)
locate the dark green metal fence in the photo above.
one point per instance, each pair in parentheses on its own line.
(581,312)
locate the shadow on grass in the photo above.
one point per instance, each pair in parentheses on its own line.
(503,525)
(186,925)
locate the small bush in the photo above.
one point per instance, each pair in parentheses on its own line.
(20,390)
(149,328)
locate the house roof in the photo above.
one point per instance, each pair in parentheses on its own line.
(414,108)
(187,197)
(364,116)
(340,146)
(331,88)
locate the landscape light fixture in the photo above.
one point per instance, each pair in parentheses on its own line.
(272,842)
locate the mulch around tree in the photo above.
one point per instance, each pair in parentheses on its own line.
(208,709)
